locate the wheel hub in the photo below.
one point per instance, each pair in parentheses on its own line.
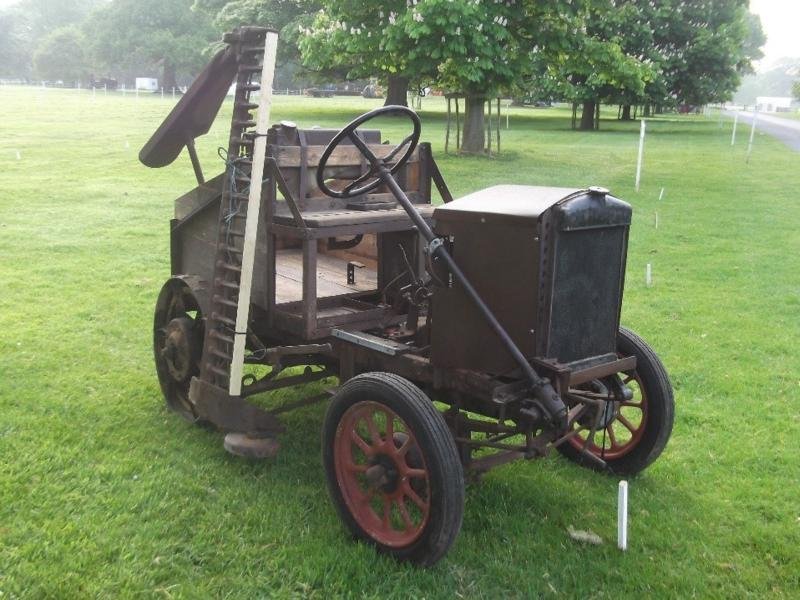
(178,351)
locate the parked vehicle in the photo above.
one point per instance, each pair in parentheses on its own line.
(502,306)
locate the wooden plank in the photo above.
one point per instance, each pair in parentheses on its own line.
(338,217)
(343,156)
(331,277)
(252,219)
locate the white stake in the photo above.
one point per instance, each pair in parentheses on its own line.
(173,92)
(19,156)
(124,91)
(508,110)
(162,92)
(641,154)
(752,134)
(94,91)
(622,514)
(656,219)
(648,275)
(127,144)
(253,208)
(735,122)
(105,89)
(661,195)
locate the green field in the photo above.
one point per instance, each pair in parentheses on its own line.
(104,493)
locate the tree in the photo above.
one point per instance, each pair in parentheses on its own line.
(61,55)
(600,58)
(148,34)
(705,47)
(477,49)
(363,44)
(285,16)
(24,26)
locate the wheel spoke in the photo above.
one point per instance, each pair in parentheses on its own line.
(388,158)
(361,443)
(401,505)
(409,491)
(413,473)
(359,143)
(389,426)
(632,404)
(351,466)
(622,419)
(387,512)
(611,436)
(352,185)
(373,429)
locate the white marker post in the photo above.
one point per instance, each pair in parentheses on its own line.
(162,92)
(173,92)
(19,156)
(641,154)
(508,110)
(752,134)
(622,515)
(656,220)
(661,195)
(105,89)
(735,122)
(253,208)
(648,275)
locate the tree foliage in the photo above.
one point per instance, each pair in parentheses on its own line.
(152,34)
(25,25)
(62,55)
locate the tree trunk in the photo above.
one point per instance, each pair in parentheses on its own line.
(474,138)
(626,112)
(168,80)
(587,116)
(397,92)
(646,110)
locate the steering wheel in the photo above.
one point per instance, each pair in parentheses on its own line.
(377,166)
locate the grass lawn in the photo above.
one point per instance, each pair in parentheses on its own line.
(103,492)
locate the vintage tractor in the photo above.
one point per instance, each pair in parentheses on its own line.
(462,336)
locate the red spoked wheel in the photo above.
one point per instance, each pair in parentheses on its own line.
(381,473)
(631,432)
(392,468)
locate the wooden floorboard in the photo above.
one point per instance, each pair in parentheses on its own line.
(331,276)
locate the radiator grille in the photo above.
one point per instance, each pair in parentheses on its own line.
(587,290)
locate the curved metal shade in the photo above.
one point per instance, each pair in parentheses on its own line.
(194,113)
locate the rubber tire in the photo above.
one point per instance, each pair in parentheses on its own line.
(446,477)
(660,408)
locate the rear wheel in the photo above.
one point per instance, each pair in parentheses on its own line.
(392,468)
(632,432)
(178,344)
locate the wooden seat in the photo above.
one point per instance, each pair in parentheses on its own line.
(338,217)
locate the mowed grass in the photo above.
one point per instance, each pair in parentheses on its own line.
(104,493)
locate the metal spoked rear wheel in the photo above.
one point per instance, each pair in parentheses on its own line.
(177,344)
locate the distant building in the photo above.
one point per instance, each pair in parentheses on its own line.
(773,104)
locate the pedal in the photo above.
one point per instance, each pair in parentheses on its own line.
(241,444)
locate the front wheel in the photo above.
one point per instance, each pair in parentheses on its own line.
(632,432)
(392,468)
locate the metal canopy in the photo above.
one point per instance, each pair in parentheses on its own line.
(193,115)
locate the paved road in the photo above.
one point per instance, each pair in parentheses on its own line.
(786,130)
